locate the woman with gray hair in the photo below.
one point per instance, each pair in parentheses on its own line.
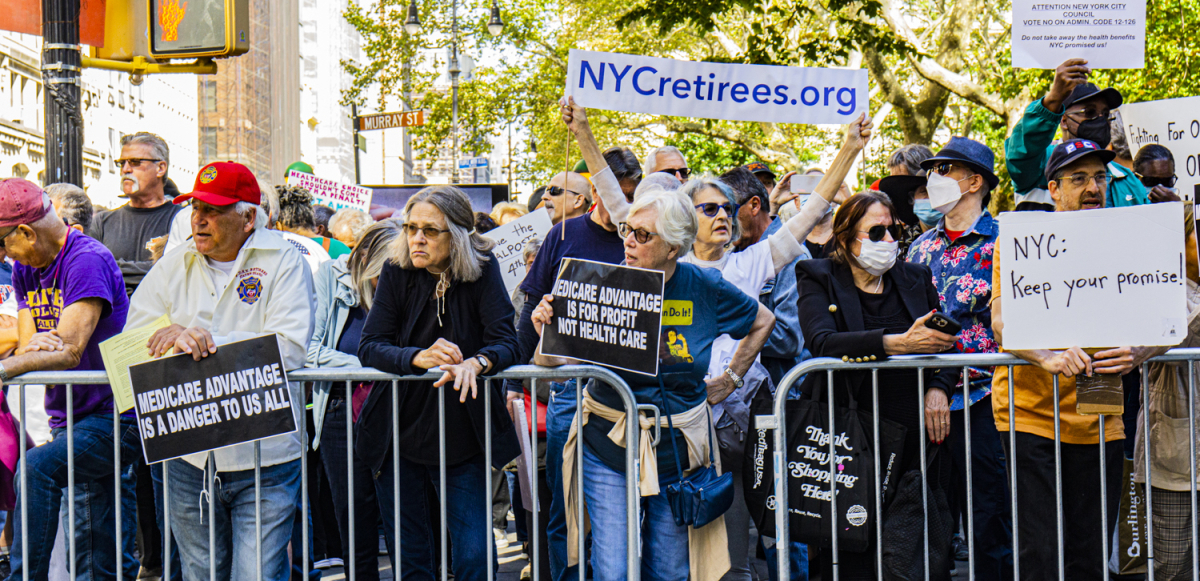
(440,305)
(660,229)
(345,291)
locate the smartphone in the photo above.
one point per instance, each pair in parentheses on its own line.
(805,184)
(940,322)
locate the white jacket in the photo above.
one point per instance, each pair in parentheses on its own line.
(181,286)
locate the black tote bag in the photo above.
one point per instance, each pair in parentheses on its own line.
(807,471)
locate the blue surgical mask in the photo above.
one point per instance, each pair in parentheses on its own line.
(924,210)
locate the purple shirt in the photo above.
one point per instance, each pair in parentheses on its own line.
(83,269)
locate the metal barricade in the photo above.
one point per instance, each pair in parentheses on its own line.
(778,422)
(348,376)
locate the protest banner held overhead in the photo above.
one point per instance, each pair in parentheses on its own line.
(336,195)
(606,314)
(1085,278)
(511,239)
(237,394)
(1171,123)
(1109,35)
(737,92)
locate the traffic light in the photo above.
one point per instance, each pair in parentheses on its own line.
(199,28)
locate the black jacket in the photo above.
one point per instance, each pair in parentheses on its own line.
(832,322)
(487,329)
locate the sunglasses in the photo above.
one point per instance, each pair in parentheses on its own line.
(683,172)
(7,234)
(1150,182)
(642,235)
(878,233)
(555,191)
(710,209)
(133,161)
(429,231)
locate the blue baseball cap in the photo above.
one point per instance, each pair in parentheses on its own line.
(1069,151)
(970,153)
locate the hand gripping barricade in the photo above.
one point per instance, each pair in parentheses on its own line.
(777,423)
(348,376)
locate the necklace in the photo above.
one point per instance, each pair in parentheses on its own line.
(878,285)
(443,285)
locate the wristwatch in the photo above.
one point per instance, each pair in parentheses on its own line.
(483,362)
(3,373)
(737,381)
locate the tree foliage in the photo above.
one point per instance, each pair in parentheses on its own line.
(938,68)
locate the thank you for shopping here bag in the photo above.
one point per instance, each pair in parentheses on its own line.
(807,472)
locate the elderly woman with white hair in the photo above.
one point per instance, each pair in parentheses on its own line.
(440,304)
(660,229)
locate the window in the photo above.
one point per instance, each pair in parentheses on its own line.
(208,143)
(208,95)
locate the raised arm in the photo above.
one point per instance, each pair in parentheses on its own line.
(786,243)
(606,184)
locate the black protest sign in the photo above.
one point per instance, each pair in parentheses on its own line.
(237,394)
(606,314)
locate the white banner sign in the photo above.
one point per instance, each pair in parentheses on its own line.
(336,195)
(1174,124)
(1109,35)
(659,86)
(510,245)
(1092,278)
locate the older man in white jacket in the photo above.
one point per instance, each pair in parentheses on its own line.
(233,280)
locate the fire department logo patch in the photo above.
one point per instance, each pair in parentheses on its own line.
(208,175)
(249,290)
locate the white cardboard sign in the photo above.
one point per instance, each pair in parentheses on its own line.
(738,92)
(1174,124)
(336,195)
(1110,35)
(510,245)
(1093,278)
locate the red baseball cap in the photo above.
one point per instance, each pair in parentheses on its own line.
(222,183)
(21,202)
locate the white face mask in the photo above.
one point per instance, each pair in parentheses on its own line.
(878,257)
(944,192)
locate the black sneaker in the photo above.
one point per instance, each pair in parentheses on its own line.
(5,567)
(958,547)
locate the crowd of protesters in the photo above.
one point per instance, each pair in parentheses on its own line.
(774,278)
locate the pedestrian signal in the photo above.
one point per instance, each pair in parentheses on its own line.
(199,28)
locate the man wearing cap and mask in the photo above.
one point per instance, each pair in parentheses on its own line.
(1082,111)
(234,280)
(1078,179)
(70,297)
(959,249)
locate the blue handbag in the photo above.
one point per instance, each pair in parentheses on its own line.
(698,499)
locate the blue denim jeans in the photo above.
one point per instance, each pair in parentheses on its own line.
(83,497)
(798,561)
(664,544)
(366,507)
(468,524)
(156,478)
(233,494)
(95,512)
(560,412)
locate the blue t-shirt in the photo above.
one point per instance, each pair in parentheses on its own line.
(699,305)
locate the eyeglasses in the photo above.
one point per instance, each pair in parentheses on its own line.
(878,233)
(132,161)
(1088,114)
(710,209)
(7,234)
(1080,180)
(682,172)
(429,231)
(642,235)
(1150,182)
(555,191)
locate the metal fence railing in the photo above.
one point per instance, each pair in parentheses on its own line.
(778,422)
(348,376)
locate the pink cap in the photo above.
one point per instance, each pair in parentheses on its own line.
(21,202)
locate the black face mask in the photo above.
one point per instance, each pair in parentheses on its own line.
(1096,130)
